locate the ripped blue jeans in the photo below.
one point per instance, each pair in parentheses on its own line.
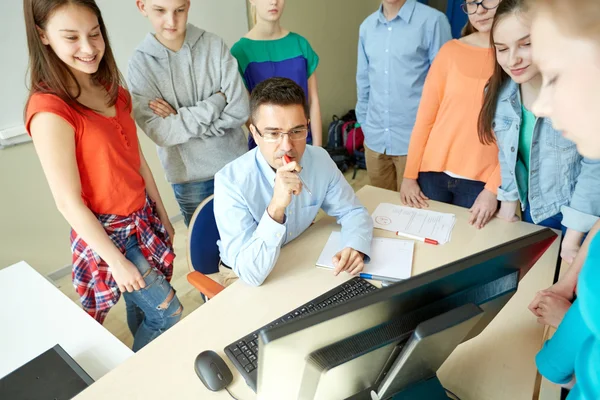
(149,314)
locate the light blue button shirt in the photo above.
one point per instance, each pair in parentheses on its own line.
(251,240)
(394,58)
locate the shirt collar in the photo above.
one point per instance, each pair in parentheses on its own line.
(406,12)
(265,167)
(509,91)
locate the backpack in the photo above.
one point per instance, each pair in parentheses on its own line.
(335,138)
(341,158)
(356,142)
(335,134)
(353,136)
(336,143)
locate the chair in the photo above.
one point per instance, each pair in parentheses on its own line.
(203,252)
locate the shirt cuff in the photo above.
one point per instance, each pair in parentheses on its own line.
(360,244)
(492,188)
(577,220)
(270,231)
(503,195)
(410,173)
(218,101)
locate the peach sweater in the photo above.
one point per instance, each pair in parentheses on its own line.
(445,134)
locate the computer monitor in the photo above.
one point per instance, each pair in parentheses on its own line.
(394,339)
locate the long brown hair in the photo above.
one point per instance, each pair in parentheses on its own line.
(48,73)
(498,79)
(468,29)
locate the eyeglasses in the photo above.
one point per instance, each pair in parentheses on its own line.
(295,134)
(471,7)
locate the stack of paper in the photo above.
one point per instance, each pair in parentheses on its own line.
(417,222)
(391,259)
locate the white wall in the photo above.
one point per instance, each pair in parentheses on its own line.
(30,227)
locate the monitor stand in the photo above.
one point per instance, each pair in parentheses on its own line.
(430,389)
(413,374)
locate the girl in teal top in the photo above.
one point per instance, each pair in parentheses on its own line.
(269,51)
(524,155)
(566,47)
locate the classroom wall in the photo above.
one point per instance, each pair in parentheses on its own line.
(30,226)
(332,31)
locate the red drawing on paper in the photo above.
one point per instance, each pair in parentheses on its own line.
(383,220)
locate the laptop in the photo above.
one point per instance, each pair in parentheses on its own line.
(51,375)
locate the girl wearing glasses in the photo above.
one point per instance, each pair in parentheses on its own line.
(556,186)
(566,48)
(269,51)
(446,162)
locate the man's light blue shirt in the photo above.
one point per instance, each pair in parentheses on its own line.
(251,240)
(394,58)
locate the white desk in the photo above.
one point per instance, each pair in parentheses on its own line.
(498,364)
(35,316)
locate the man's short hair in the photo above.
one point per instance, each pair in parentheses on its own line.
(278,92)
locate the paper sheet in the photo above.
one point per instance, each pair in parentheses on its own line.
(414,221)
(390,258)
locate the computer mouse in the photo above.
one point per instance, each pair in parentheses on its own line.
(212,371)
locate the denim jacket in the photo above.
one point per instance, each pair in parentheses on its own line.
(560,179)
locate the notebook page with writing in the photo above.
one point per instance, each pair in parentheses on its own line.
(390,258)
(422,223)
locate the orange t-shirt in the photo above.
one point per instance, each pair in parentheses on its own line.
(445,134)
(107,153)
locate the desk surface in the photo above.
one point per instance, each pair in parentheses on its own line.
(36,316)
(498,364)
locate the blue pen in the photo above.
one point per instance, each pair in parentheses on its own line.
(379,278)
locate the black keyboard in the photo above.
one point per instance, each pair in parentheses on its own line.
(244,352)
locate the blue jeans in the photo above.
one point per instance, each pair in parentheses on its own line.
(190,195)
(145,317)
(554,222)
(439,186)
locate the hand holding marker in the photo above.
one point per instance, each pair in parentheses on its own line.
(287,160)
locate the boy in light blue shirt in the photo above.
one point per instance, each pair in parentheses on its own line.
(260,201)
(397,45)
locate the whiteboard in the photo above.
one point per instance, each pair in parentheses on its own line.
(126,29)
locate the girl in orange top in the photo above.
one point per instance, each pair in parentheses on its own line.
(446,162)
(79,118)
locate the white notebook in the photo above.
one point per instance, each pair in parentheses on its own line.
(390,258)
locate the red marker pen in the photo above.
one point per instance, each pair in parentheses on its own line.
(424,240)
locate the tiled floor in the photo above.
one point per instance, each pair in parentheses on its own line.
(116,321)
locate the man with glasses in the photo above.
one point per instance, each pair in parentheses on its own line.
(261,199)
(396,47)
